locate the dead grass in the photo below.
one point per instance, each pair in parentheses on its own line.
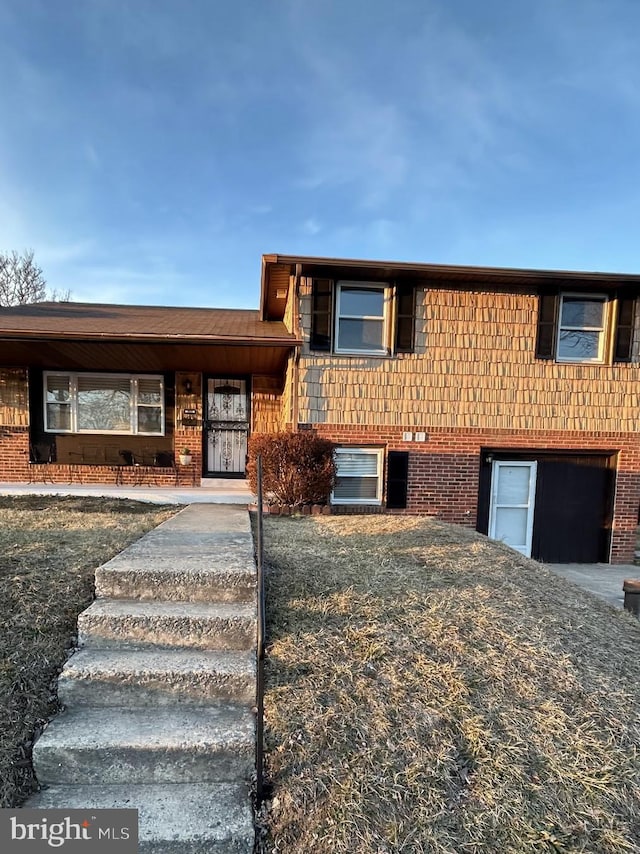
(431,691)
(49,549)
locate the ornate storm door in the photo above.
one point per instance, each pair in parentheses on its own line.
(226,426)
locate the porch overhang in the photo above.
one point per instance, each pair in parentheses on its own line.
(232,357)
(93,336)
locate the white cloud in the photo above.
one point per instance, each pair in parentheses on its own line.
(63,253)
(260,209)
(311,226)
(91,155)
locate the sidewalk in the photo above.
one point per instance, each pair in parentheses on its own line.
(213,491)
(602,579)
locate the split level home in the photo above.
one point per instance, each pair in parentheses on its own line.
(502,399)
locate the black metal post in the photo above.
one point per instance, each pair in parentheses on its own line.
(260,644)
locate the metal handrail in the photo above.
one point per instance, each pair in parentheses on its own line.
(260,643)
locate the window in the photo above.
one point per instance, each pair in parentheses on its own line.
(358,476)
(581,328)
(596,328)
(361,319)
(367,318)
(104,403)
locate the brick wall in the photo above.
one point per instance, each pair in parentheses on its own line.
(14,453)
(444,471)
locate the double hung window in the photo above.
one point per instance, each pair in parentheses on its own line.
(104,403)
(362,318)
(361,314)
(358,476)
(586,328)
(582,328)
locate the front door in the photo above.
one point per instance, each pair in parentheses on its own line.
(226,427)
(513,489)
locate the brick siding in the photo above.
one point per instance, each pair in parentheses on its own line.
(444,471)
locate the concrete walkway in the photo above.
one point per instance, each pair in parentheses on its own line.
(212,491)
(603,579)
(158,698)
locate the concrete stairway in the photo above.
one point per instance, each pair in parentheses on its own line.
(158,698)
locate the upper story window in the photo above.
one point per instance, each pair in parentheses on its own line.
(582,328)
(586,328)
(362,318)
(104,403)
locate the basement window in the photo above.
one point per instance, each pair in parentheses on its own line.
(122,404)
(358,476)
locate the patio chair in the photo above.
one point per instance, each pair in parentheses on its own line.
(40,455)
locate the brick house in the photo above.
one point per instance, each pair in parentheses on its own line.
(497,398)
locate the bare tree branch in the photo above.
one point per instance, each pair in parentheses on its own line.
(22,281)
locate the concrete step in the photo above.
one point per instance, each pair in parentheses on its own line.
(157,677)
(223,577)
(86,746)
(110,623)
(190,818)
(203,521)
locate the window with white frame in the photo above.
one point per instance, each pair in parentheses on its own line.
(103,403)
(582,328)
(361,318)
(358,476)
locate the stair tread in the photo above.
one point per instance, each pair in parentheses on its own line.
(166,564)
(176,727)
(95,661)
(173,812)
(155,608)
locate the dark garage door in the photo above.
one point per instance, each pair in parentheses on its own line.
(572,518)
(573,506)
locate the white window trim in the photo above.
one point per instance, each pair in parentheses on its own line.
(73,402)
(602,343)
(379,453)
(386,294)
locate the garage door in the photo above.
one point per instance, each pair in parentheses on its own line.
(573,511)
(554,507)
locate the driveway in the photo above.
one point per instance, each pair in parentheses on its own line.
(603,579)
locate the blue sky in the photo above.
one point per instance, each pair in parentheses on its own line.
(152,150)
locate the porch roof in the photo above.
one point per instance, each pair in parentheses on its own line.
(141,322)
(81,336)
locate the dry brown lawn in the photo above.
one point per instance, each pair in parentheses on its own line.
(431,691)
(49,549)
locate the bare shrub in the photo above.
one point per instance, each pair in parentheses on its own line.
(297,468)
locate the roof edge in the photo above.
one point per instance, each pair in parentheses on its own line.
(42,335)
(449,269)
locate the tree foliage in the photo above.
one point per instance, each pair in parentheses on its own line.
(22,280)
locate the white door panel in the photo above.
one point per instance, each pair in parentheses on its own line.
(513,489)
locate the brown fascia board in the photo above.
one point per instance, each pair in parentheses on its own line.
(450,273)
(234,341)
(264,284)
